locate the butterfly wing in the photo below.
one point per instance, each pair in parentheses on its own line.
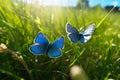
(71,29)
(73,37)
(38,49)
(41,39)
(54,52)
(86,35)
(54,49)
(73,34)
(40,46)
(59,43)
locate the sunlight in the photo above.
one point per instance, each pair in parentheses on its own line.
(115,3)
(58,2)
(52,2)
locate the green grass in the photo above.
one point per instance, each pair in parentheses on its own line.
(19,25)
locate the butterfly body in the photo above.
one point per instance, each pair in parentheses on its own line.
(76,36)
(42,46)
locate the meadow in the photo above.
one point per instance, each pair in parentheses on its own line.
(20,23)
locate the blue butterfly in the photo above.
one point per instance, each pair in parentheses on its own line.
(42,46)
(76,36)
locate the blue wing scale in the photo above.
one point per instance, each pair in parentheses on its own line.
(73,37)
(59,43)
(54,52)
(71,29)
(73,34)
(41,39)
(38,49)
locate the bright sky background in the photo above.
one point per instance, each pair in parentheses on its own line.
(92,3)
(104,2)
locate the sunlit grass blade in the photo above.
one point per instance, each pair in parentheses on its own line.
(99,23)
(73,62)
(11,74)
